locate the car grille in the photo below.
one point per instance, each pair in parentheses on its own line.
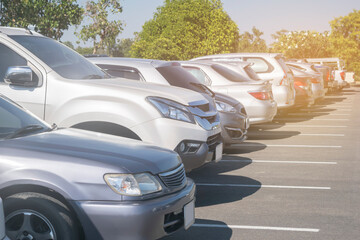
(175,178)
(213,141)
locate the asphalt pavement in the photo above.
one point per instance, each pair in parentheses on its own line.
(294,178)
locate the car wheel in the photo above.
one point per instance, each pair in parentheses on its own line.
(37,216)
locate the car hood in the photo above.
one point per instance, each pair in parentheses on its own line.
(180,95)
(123,155)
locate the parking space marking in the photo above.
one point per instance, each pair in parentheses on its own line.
(261,186)
(308,114)
(297,126)
(313,119)
(257,227)
(275,161)
(284,145)
(314,110)
(301,134)
(322,134)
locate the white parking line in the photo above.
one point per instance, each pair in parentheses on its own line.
(314,119)
(322,134)
(274,161)
(257,227)
(270,133)
(314,110)
(299,126)
(284,145)
(331,114)
(261,186)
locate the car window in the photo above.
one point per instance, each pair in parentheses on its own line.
(259,65)
(199,75)
(121,71)
(9,58)
(64,61)
(229,74)
(12,117)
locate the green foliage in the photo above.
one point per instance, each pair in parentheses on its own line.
(102,31)
(49,17)
(184,29)
(252,42)
(302,44)
(69,44)
(84,50)
(345,37)
(122,48)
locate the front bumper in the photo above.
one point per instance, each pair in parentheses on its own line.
(148,219)
(233,127)
(169,133)
(201,153)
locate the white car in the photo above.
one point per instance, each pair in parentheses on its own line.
(269,66)
(256,96)
(60,86)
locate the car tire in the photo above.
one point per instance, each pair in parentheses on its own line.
(40,216)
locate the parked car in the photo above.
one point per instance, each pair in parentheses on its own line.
(67,184)
(2,223)
(317,85)
(256,96)
(328,81)
(234,121)
(269,66)
(62,87)
(302,82)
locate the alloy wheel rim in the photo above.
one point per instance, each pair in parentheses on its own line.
(29,225)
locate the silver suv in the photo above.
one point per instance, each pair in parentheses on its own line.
(269,66)
(62,87)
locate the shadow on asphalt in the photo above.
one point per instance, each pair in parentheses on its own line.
(208,195)
(194,233)
(244,148)
(257,134)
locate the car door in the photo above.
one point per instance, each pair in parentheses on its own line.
(32,98)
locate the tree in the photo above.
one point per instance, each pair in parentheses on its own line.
(49,17)
(302,44)
(122,48)
(252,42)
(345,38)
(102,31)
(184,29)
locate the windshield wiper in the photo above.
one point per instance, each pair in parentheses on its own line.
(25,130)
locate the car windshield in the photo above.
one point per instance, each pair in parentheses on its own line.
(64,61)
(179,77)
(229,74)
(13,118)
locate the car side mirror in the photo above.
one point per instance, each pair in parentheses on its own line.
(19,76)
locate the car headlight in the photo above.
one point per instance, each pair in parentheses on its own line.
(171,109)
(133,184)
(224,107)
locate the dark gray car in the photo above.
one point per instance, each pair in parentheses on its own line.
(67,184)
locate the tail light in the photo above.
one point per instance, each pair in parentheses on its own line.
(261,95)
(328,76)
(300,84)
(282,82)
(342,74)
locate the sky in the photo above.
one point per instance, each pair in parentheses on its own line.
(268,16)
